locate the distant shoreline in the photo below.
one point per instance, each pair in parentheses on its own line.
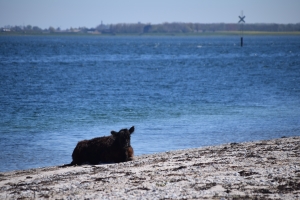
(202,34)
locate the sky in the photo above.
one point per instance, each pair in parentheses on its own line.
(89,13)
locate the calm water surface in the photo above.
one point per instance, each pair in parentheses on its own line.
(179,92)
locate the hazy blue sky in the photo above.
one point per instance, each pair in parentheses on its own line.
(90,13)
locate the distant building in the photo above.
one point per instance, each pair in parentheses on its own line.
(93,31)
(5,29)
(102,28)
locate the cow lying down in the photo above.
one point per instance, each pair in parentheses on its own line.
(108,149)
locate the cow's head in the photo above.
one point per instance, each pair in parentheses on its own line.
(123,137)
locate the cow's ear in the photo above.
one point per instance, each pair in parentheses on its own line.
(131,130)
(114,133)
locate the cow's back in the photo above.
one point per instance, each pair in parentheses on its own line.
(92,151)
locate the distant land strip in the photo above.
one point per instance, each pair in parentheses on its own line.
(165,29)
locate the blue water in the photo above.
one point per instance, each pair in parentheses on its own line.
(179,92)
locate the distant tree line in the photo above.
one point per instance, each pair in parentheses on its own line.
(199,27)
(168,28)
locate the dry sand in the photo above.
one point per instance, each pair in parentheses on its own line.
(264,169)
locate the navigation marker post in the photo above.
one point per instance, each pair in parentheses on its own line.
(242,21)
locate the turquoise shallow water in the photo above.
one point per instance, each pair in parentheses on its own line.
(179,92)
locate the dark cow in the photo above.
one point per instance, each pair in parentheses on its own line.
(109,149)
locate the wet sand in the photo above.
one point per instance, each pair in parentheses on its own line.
(268,169)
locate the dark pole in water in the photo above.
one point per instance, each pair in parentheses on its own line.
(241,41)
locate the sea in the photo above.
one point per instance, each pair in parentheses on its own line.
(178,92)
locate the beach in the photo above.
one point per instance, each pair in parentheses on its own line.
(268,169)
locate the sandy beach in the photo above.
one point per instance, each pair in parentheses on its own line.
(268,169)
